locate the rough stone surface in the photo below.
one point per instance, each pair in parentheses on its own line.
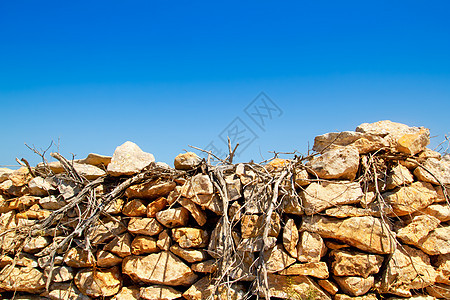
(186,161)
(355,263)
(158,268)
(101,283)
(135,208)
(106,259)
(159,292)
(255,244)
(129,159)
(286,286)
(345,211)
(355,286)
(329,286)
(105,230)
(4,174)
(150,190)
(277,259)
(439,211)
(199,184)
(439,167)
(64,291)
(120,245)
(363,142)
(339,163)
(147,226)
(96,160)
(290,237)
(164,240)
(418,229)
(60,274)
(314,269)
(21,279)
(310,247)
(203,289)
(253,225)
(188,237)
(189,255)
(436,242)
(144,244)
(128,293)
(173,217)
(399,176)
(38,186)
(194,209)
(207,266)
(78,258)
(156,206)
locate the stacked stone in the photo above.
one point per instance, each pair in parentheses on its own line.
(365,218)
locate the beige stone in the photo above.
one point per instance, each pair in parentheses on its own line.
(20,177)
(234,187)
(301,177)
(363,142)
(442,263)
(46,261)
(78,258)
(398,176)
(4,174)
(345,211)
(409,199)
(105,230)
(115,206)
(95,159)
(52,203)
(276,259)
(314,269)
(89,172)
(120,245)
(294,287)
(257,197)
(290,237)
(243,267)
(156,206)
(253,225)
(290,204)
(129,159)
(64,291)
(235,212)
(128,293)
(440,168)
(38,186)
(36,243)
(207,266)
(355,286)
(107,259)
(164,240)
(339,163)
(198,215)
(144,244)
(188,237)
(20,203)
(436,242)
(60,274)
(364,297)
(198,184)
(158,268)
(5,260)
(26,260)
(9,189)
(203,289)
(355,263)
(329,286)
(135,208)
(310,247)
(174,195)
(320,196)
(159,292)
(189,255)
(35,212)
(99,283)
(439,211)
(151,190)
(366,233)
(413,143)
(186,161)
(418,229)
(173,217)
(21,279)
(147,226)
(441,291)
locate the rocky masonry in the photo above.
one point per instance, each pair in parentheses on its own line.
(366,216)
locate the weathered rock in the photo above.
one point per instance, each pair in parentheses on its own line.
(129,159)
(290,204)
(135,208)
(235,212)
(418,229)
(189,255)
(436,242)
(355,286)
(52,203)
(120,245)
(99,283)
(22,279)
(286,286)
(407,268)
(164,240)
(301,177)
(78,258)
(194,209)
(147,226)
(345,211)
(409,199)
(5,260)
(34,212)
(158,268)
(46,261)
(150,190)
(339,163)
(256,197)
(207,266)
(199,184)
(363,142)
(186,161)
(256,244)
(20,177)
(20,203)
(89,172)
(398,176)
(440,168)
(320,196)
(64,291)
(9,189)
(38,186)
(234,187)
(439,211)
(156,206)
(96,160)
(26,260)
(104,231)
(365,297)
(203,289)
(290,237)
(159,292)
(314,269)
(115,206)
(4,174)
(355,263)
(310,247)
(366,233)
(36,243)
(253,225)
(188,237)
(143,244)
(329,286)
(243,267)
(413,143)
(128,293)
(442,264)
(277,259)
(173,217)
(107,259)
(59,274)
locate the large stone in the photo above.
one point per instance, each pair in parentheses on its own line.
(97,160)
(364,297)
(197,185)
(207,266)
(20,203)
(36,243)
(120,245)
(276,259)
(290,237)
(129,159)
(234,187)
(188,237)
(257,197)
(159,292)
(338,163)
(310,247)
(355,263)
(135,208)
(355,286)
(104,231)
(440,168)
(366,233)
(64,291)
(4,174)
(290,204)
(189,255)
(363,142)
(59,274)
(204,288)
(436,242)
(99,283)
(164,240)
(439,211)
(107,259)
(198,214)
(407,269)
(320,196)
(345,211)
(413,143)
(128,293)
(144,244)
(38,186)
(79,258)
(409,199)
(294,287)
(418,229)
(147,226)
(186,161)
(314,269)
(156,206)
(253,225)
(20,177)
(150,190)
(52,203)
(329,286)
(256,244)
(158,268)
(115,206)
(398,176)
(21,279)
(173,217)
(89,172)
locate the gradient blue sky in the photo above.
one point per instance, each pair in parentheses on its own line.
(168,74)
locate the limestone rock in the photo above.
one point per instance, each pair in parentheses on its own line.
(38,186)
(5,260)
(355,286)
(286,286)
(207,266)
(115,206)
(413,143)
(120,245)
(22,279)
(320,196)
(363,142)
(364,297)
(314,269)
(36,243)
(442,264)
(60,274)
(256,197)
(345,211)
(128,293)
(147,226)
(301,177)
(290,237)
(173,217)
(416,230)
(189,255)
(158,268)
(194,209)
(398,176)
(135,208)
(99,283)
(365,233)
(26,260)
(129,159)
(188,237)
(436,242)
(46,261)
(277,259)
(89,172)
(290,204)
(52,203)
(20,177)
(256,244)
(253,225)
(103,231)
(329,286)
(144,244)
(439,211)
(150,190)
(34,212)
(4,174)
(78,258)
(96,160)
(409,199)
(186,161)
(310,247)
(20,203)
(64,291)
(355,263)
(234,187)
(199,184)
(107,259)
(439,167)
(9,189)
(243,268)
(159,292)
(156,206)
(164,240)
(203,289)
(339,163)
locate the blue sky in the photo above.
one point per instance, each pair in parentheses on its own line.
(168,74)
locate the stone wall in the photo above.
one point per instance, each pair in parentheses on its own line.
(366,216)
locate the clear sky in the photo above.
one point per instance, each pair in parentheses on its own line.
(168,74)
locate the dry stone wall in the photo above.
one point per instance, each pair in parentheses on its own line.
(366,216)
